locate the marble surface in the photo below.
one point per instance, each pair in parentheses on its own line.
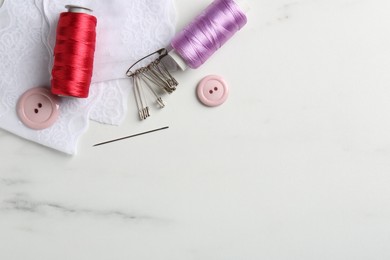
(296,164)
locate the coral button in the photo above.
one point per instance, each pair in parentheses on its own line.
(212,91)
(38,109)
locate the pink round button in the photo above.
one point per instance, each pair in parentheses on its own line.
(212,91)
(38,109)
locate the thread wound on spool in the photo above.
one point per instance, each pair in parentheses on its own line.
(198,41)
(74,55)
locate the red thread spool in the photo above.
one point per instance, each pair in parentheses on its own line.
(74,53)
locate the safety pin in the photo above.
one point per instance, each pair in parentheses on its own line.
(143,109)
(155,76)
(161,52)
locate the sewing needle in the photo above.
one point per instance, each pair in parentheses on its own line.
(131,136)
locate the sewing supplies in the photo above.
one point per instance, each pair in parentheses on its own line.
(37,108)
(131,136)
(191,47)
(27,62)
(74,53)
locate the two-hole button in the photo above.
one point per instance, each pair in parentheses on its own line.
(38,109)
(212,91)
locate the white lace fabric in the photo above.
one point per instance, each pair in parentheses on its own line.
(127,30)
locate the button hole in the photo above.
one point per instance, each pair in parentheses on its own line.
(211,92)
(36,111)
(40,105)
(216,89)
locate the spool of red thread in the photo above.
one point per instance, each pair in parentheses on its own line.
(74,53)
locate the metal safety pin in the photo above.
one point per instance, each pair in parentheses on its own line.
(155,77)
(161,53)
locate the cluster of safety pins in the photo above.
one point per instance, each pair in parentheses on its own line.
(154,78)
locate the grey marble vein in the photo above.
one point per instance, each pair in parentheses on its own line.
(21,204)
(12,182)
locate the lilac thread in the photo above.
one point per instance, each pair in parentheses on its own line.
(199,40)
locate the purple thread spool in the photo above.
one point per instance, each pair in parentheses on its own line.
(199,40)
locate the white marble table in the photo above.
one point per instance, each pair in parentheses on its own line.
(296,164)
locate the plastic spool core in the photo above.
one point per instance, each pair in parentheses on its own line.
(78,9)
(180,62)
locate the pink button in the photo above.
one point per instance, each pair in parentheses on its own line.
(213,91)
(38,109)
